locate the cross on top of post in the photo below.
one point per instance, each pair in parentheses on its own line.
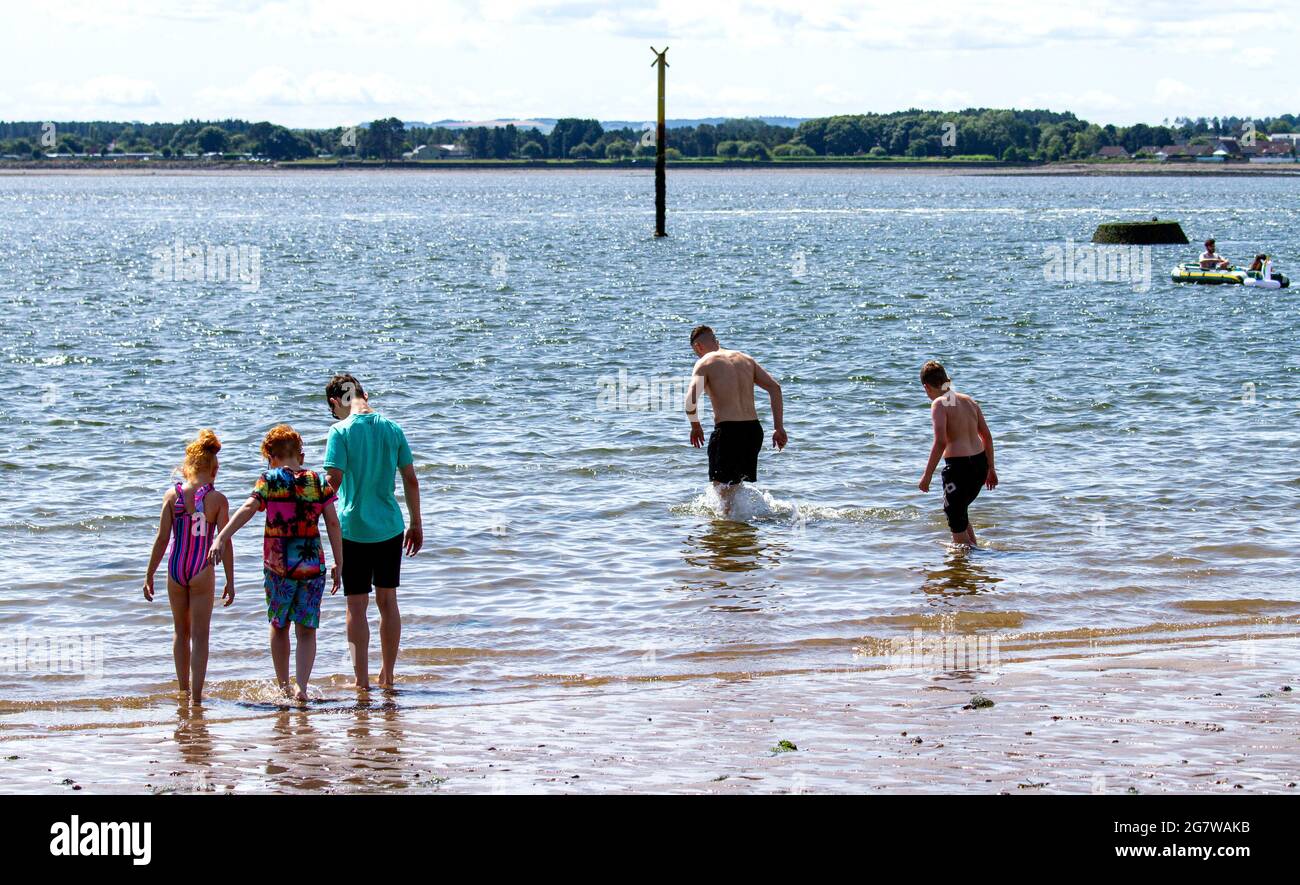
(660,57)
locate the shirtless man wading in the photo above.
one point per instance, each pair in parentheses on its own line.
(963,440)
(729,378)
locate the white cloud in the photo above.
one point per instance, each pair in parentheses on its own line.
(1171,91)
(943,100)
(729,100)
(1257,57)
(278,87)
(1089,101)
(327,62)
(112,91)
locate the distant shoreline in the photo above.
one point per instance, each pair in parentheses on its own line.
(939,167)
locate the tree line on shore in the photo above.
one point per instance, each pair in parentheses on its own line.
(1016,135)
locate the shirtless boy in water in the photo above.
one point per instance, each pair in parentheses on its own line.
(729,378)
(963,440)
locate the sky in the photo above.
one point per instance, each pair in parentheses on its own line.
(338,62)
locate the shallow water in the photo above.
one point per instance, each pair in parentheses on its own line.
(1145,439)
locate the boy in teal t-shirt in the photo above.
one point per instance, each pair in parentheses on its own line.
(363,454)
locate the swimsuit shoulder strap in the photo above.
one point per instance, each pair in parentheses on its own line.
(179,504)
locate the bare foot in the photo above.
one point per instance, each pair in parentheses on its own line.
(196,701)
(386,682)
(359,687)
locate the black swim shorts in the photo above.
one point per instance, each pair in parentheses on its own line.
(962,478)
(733,451)
(378,564)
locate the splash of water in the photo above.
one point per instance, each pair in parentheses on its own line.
(750,503)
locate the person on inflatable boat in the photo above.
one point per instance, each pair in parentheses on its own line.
(1212,260)
(1263,265)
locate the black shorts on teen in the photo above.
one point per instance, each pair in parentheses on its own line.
(366,565)
(733,451)
(962,477)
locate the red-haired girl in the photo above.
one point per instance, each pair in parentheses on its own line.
(192,512)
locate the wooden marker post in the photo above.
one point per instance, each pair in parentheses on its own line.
(661,145)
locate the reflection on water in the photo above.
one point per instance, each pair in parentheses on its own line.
(193,739)
(296,743)
(963,573)
(374,747)
(727,546)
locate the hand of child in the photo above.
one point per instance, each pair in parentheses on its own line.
(148,588)
(924,484)
(228,596)
(214,555)
(334,579)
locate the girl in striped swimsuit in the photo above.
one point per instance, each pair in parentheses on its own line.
(192,514)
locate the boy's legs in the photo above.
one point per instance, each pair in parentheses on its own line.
(727,495)
(305,658)
(280,655)
(179,598)
(200,605)
(956,500)
(390,632)
(358,632)
(962,479)
(281,593)
(733,458)
(379,565)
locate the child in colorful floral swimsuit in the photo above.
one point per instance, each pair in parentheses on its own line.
(293,566)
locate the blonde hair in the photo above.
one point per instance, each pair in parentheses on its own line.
(201,454)
(281,441)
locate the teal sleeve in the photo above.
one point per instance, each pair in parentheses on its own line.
(336,451)
(403,450)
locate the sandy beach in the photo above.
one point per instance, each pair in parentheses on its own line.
(1192,713)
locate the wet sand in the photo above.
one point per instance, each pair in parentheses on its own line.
(1204,715)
